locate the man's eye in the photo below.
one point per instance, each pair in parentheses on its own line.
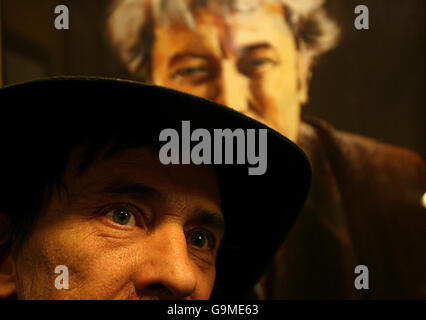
(193,75)
(190,71)
(258,62)
(255,66)
(121,216)
(201,240)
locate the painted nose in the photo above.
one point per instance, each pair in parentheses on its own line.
(233,88)
(166,270)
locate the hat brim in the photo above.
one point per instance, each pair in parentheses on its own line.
(259,209)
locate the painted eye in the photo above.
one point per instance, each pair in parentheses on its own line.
(122,216)
(194,74)
(191,71)
(257,63)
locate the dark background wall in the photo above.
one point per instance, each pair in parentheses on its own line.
(371,84)
(374,82)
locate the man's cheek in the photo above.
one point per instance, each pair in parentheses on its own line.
(35,271)
(91,268)
(102,268)
(205,287)
(38,262)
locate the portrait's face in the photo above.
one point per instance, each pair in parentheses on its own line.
(127,228)
(247,61)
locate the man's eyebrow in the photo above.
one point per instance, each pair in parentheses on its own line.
(256,46)
(208,218)
(135,190)
(182,56)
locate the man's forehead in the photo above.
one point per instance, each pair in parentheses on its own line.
(135,166)
(234,31)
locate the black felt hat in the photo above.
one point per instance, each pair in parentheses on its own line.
(40,119)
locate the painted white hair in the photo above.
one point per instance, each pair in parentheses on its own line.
(130,25)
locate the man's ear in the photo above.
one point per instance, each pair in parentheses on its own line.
(7,265)
(304,61)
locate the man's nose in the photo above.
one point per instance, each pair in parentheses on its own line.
(233,87)
(166,272)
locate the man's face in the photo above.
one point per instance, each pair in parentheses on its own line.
(247,61)
(127,228)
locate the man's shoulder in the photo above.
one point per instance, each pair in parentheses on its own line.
(369,193)
(358,160)
(356,151)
